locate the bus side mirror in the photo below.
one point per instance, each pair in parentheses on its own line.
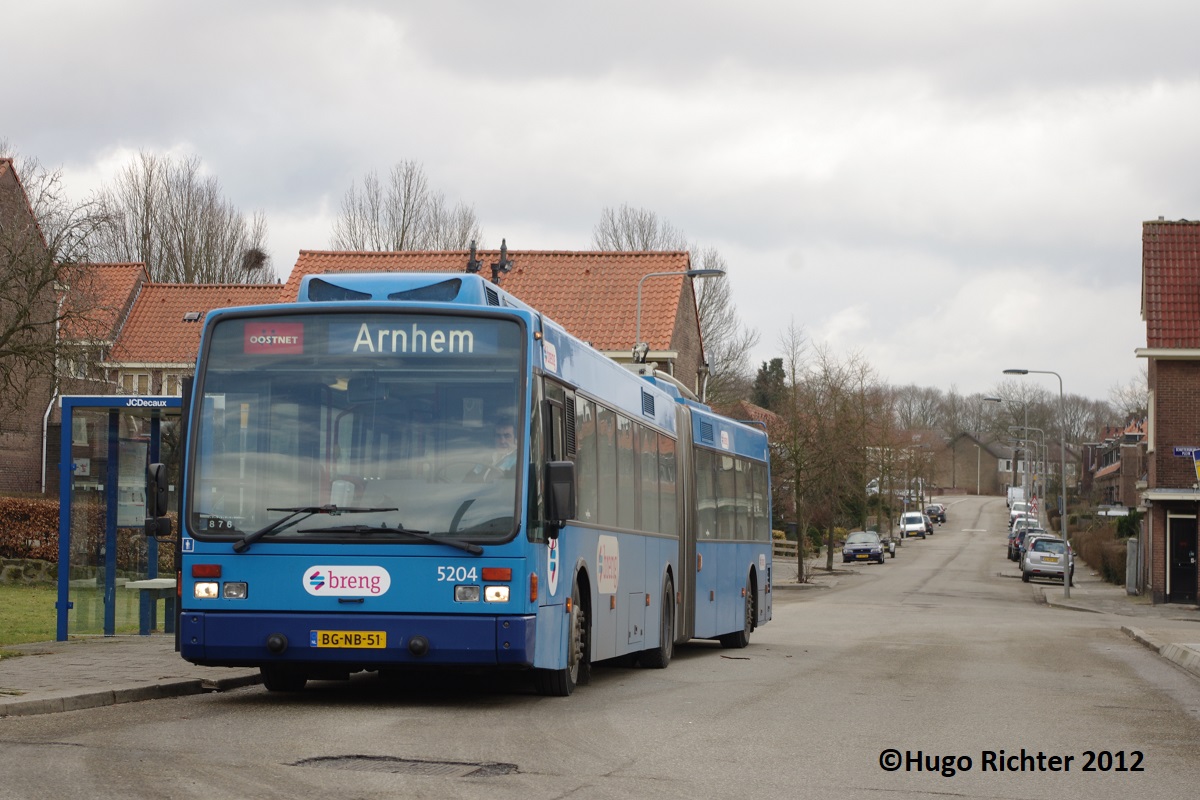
(560,495)
(157,523)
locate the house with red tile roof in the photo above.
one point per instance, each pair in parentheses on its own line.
(1114,468)
(144,336)
(593,294)
(100,300)
(158,342)
(1171,311)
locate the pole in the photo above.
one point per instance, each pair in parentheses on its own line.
(1062,451)
(978,458)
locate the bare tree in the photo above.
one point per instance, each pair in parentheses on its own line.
(918,407)
(43,289)
(167,214)
(403,214)
(828,437)
(978,415)
(1132,399)
(793,449)
(636,230)
(727,343)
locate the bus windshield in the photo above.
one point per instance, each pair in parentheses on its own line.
(406,422)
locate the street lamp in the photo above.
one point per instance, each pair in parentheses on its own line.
(1062,447)
(640,349)
(978,459)
(1037,453)
(978,450)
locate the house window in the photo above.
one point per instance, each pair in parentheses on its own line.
(135,383)
(79,431)
(1150,421)
(172,385)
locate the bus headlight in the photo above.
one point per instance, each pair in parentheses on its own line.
(206,590)
(466,594)
(236,590)
(495,594)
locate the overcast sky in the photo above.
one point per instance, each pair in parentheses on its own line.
(948,188)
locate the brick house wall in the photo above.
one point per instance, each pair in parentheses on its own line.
(1175,385)
(686,340)
(22,411)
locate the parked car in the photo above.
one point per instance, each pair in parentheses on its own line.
(1013,540)
(1031,535)
(912,523)
(863,546)
(936,512)
(1017,510)
(928,524)
(1025,521)
(1048,557)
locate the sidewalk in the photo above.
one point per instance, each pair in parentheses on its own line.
(85,673)
(103,671)
(1172,631)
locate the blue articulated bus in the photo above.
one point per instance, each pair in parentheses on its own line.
(416,470)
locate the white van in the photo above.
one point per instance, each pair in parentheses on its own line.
(912,523)
(1016,494)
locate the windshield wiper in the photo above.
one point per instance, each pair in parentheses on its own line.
(284,523)
(473,549)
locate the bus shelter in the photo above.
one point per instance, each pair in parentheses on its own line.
(108,569)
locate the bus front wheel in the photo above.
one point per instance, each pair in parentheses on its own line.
(577,672)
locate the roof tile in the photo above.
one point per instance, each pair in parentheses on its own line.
(593,294)
(156,332)
(1171,283)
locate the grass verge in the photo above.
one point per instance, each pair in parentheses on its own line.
(27,614)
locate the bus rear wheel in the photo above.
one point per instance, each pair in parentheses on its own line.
(738,640)
(577,672)
(659,657)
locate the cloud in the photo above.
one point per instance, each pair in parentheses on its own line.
(941,186)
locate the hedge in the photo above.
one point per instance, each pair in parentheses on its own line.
(29,530)
(1099,546)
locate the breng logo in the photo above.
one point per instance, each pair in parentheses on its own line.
(346,581)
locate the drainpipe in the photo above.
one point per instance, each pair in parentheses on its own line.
(45,427)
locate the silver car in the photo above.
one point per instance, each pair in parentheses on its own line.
(1047,557)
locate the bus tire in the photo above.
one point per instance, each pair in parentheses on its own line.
(578,671)
(279,678)
(659,657)
(738,640)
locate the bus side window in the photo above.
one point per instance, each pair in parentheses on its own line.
(585,460)
(706,495)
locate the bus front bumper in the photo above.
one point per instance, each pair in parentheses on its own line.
(253,639)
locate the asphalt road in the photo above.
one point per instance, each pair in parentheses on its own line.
(936,674)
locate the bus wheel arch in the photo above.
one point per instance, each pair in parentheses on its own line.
(659,657)
(739,639)
(578,668)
